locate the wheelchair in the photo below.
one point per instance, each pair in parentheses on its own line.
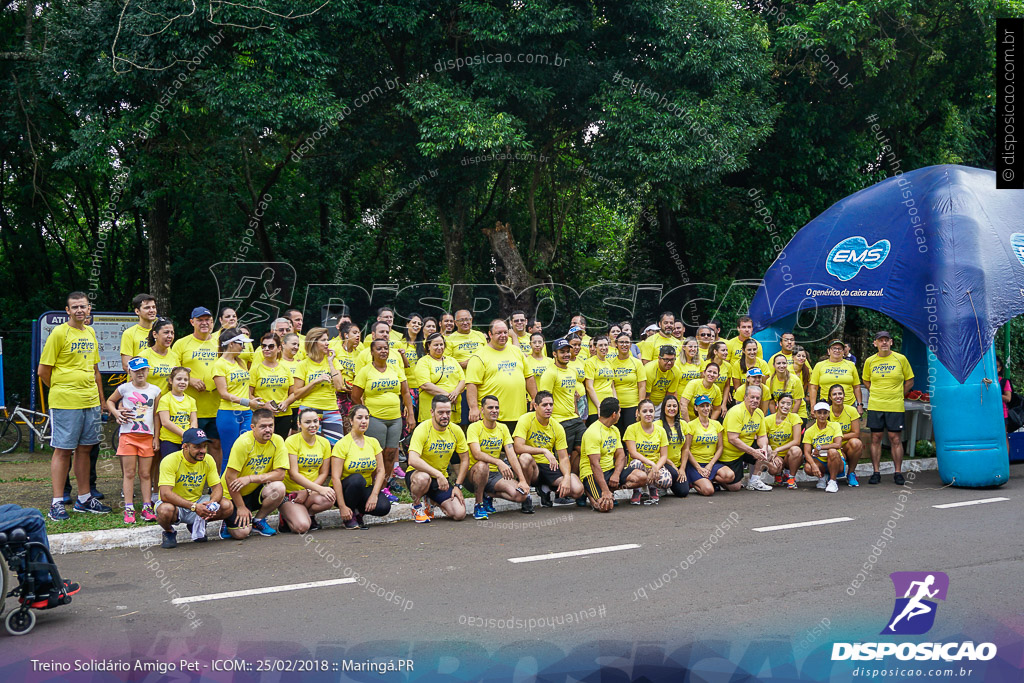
(15,549)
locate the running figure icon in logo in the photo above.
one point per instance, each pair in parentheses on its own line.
(918,590)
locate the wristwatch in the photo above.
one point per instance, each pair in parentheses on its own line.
(193,508)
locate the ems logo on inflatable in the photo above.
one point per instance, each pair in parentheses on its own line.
(849,256)
(1017,244)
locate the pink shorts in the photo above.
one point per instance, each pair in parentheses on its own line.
(135,444)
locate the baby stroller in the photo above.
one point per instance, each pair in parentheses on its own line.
(16,550)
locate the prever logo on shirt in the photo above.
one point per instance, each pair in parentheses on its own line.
(849,256)
(82,346)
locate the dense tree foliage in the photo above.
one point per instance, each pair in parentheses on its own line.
(525,144)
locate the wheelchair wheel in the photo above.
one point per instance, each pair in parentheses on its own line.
(10,436)
(20,622)
(5,584)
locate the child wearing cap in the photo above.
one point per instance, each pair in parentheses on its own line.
(132,404)
(754,378)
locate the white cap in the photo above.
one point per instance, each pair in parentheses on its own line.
(821,405)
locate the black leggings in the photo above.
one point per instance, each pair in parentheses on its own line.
(680,490)
(356,492)
(627,416)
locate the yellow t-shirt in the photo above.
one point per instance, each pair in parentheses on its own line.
(724,380)
(776,387)
(134,341)
(361,460)
(564,384)
(437,448)
(826,373)
(845,419)
(704,442)
(309,458)
(602,441)
(199,357)
(271,384)
(660,383)
(292,365)
(237,379)
(780,434)
(524,342)
(735,346)
(695,388)
(344,361)
(321,397)
(503,374)
(395,360)
(187,479)
(248,457)
(446,374)
(822,438)
(396,340)
(461,346)
(748,425)
(73,355)
(740,393)
(629,372)
(647,445)
(676,441)
(179,411)
(650,348)
(688,372)
(887,376)
(382,391)
(536,435)
(538,367)
(738,373)
(491,441)
(160,367)
(599,372)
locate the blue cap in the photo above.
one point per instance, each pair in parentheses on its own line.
(574,329)
(755,372)
(701,400)
(559,344)
(200,311)
(194,436)
(138,363)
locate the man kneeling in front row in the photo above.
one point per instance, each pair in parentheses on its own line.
(183,476)
(603,460)
(430,453)
(254,478)
(488,441)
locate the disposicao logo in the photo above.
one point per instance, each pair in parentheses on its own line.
(1017,244)
(914,614)
(849,256)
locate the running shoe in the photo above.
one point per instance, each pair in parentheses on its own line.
(527,506)
(822,482)
(352,523)
(581,502)
(170,540)
(261,527)
(479,512)
(791,483)
(58,513)
(419,515)
(69,589)
(637,498)
(757,484)
(489,505)
(876,478)
(95,493)
(129,515)
(224,533)
(92,505)
(833,487)
(398,471)
(545,495)
(654,498)
(313,524)
(779,481)
(390,496)
(148,514)
(361,521)
(852,479)
(898,478)
(283,527)
(564,500)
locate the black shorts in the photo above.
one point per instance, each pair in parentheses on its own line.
(594,491)
(885,421)
(433,493)
(574,429)
(737,466)
(209,425)
(546,474)
(283,424)
(251,500)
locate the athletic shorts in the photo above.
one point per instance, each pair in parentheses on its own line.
(136,444)
(433,493)
(492,479)
(387,432)
(186,516)
(594,491)
(885,421)
(209,425)
(546,474)
(74,427)
(736,466)
(693,475)
(574,429)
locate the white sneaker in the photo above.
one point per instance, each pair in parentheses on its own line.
(832,487)
(822,482)
(757,484)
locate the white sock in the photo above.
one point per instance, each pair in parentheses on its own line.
(55,501)
(84,497)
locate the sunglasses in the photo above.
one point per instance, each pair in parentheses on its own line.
(268,346)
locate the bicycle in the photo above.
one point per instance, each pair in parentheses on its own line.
(10,431)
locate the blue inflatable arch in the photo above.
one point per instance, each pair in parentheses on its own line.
(941,251)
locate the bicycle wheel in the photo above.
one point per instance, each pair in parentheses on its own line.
(10,436)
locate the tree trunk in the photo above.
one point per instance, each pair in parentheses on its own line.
(512,272)
(453,231)
(158,232)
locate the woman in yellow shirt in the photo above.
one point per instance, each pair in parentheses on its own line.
(309,465)
(645,441)
(357,473)
(384,390)
(316,382)
(231,379)
(689,364)
(703,449)
(718,352)
(849,419)
(802,371)
(228,319)
(538,360)
(784,429)
(273,383)
(746,363)
(782,381)
(598,377)
(439,374)
(630,380)
(676,427)
(159,354)
(346,350)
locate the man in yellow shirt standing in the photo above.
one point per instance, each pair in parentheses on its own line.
(519,320)
(499,368)
(888,378)
(198,353)
(460,345)
(650,348)
(68,365)
(744,328)
(135,339)
(254,478)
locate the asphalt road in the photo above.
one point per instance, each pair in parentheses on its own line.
(451,584)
